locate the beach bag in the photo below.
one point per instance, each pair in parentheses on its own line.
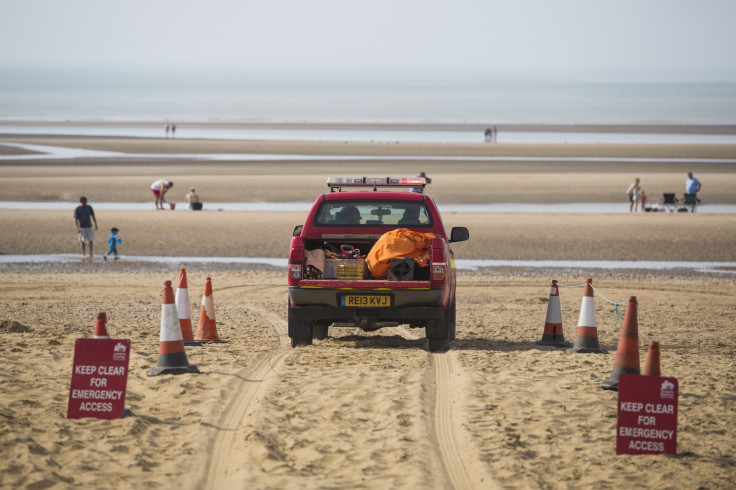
(396,244)
(196,206)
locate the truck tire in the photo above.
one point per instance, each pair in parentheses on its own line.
(451,319)
(300,331)
(438,345)
(299,342)
(438,334)
(320,331)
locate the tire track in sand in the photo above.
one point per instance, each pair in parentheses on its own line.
(254,380)
(462,466)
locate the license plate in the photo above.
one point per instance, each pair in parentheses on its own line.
(365,300)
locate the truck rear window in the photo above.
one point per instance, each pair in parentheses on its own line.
(394,214)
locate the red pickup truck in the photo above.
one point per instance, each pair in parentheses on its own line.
(330,284)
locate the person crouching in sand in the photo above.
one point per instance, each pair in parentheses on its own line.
(159,190)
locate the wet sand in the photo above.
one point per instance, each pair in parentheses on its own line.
(499,236)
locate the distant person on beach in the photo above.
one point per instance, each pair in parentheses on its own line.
(424,175)
(633,193)
(488,135)
(159,190)
(494,135)
(167,130)
(642,200)
(173,130)
(112,243)
(84,216)
(192,200)
(692,186)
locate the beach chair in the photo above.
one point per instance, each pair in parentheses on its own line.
(690,200)
(669,199)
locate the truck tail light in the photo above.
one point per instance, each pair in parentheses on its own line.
(296,254)
(438,272)
(437,254)
(295,272)
(438,251)
(296,261)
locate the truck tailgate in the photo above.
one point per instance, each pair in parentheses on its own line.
(371,284)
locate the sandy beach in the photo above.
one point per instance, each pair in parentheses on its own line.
(364,410)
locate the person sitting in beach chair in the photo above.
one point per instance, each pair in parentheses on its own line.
(192,200)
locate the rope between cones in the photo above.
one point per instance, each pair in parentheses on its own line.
(614,305)
(194,283)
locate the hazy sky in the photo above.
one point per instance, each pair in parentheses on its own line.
(593,39)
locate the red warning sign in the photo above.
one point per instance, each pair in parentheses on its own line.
(99,378)
(647,415)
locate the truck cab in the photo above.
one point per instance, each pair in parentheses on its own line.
(331,281)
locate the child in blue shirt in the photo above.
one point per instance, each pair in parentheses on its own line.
(113,242)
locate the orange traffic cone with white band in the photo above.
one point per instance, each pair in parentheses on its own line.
(586,341)
(101,326)
(172,359)
(207,329)
(183,309)
(651,367)
(627,352)
(553,335)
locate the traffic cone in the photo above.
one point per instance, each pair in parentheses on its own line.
(651,367)
(172,359)
(553,334)
(183,310)
(586,341)
(207,329)
(101,326)
(627,352)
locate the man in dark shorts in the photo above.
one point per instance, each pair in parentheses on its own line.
(84,216)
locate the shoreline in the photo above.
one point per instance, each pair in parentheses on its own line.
(493,236)
(654,128)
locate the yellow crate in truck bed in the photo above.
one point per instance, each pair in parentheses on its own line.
(336,268)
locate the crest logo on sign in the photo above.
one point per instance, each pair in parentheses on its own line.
(667,391)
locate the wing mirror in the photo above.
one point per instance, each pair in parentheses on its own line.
(459,234)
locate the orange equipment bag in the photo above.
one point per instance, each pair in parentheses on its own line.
(398,243)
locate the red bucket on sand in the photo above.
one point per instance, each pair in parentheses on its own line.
(172,205)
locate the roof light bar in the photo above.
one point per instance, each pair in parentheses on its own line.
(339,182)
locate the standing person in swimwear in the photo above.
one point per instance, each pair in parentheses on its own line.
(633,193)
(159,190)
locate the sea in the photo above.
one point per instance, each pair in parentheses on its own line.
(36,100)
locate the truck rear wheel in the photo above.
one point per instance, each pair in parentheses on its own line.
(300,331)
(438,335)
(320,331)
(438,345)
(451,316)
(299,342)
